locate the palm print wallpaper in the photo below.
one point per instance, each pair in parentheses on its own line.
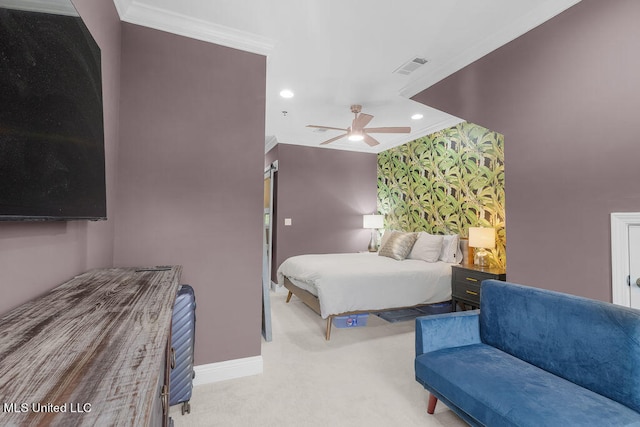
(445,183)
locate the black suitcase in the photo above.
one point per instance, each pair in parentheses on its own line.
(183,329)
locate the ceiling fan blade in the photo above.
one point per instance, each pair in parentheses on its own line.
(389,130)
(329,141)
(362,120)
(371,142)
(326,127)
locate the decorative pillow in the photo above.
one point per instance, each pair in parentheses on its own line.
(451,251)
(427,247)
(398,245)
(385,237)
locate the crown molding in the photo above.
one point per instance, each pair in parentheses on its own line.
(270,141)
(122,6)
(445,123)
(64,8)
(134,12)
(541,14)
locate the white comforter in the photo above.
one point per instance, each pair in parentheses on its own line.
(351,282)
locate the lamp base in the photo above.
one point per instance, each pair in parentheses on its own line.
(481,257)
(373,243)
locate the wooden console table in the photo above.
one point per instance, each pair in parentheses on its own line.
(93,351)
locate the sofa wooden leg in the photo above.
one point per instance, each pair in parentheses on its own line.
(289,296)
(432,404)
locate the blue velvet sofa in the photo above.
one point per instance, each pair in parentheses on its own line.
(531,357)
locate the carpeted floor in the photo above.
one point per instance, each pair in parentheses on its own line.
(362,376)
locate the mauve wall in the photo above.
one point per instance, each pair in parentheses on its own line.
(36,257)
(191,178)
(566,96)
(325,192)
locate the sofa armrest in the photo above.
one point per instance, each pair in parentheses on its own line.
(447,330)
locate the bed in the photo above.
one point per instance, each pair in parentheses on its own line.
(350,283)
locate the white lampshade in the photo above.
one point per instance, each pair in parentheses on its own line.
(372,221)
(482,237)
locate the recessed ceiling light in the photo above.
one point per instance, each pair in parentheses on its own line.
(417,116)
(286,93)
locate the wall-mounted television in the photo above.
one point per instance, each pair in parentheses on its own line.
(52,164)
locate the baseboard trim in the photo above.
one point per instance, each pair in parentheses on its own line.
(227,370)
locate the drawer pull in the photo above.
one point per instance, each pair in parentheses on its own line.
(471,279)
(471,292)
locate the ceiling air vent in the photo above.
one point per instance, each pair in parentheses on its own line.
(410,66)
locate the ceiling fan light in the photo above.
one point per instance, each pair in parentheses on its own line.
(356,136)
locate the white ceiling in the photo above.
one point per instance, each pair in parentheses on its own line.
(334,53)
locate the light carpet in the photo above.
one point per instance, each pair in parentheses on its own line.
(362,376)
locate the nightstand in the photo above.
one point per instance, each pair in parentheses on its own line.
(466,280)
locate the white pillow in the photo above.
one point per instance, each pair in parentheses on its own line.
(427,247)
(451,251)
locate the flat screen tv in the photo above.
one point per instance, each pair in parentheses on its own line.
(51,124)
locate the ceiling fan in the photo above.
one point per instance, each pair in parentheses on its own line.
(358,132)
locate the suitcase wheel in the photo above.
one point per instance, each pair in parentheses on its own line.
(186,408)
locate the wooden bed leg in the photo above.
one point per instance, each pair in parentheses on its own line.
(432,404)
(328,335)
(289,296)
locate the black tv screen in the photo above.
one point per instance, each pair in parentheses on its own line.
(51,123)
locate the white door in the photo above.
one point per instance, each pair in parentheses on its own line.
(634,265)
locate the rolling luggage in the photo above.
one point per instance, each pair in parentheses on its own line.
(183,328)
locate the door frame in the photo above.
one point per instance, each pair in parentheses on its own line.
(269,173)
(620,222)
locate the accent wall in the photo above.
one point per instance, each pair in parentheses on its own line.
(445,183)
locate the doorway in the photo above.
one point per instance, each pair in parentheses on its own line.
(625,258)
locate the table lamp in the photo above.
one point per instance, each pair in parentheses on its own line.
(482,238)
(374,222)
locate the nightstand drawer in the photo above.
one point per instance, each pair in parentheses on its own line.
(467,291)
(471,276)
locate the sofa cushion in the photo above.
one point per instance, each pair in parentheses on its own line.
(497,389)
(591,343)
